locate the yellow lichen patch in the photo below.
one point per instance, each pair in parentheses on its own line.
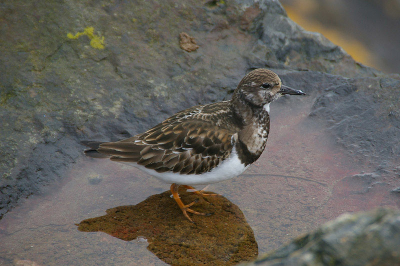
(95,41)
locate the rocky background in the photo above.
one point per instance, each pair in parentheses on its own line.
(367,29)
(106,70)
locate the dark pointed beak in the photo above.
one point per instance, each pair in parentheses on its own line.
(286,90)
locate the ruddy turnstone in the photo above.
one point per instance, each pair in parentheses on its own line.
(207,143)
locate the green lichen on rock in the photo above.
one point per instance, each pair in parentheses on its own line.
(5,96)
(95,41)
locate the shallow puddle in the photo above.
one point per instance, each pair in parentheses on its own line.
(301,181)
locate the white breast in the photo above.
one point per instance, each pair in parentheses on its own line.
(230,167)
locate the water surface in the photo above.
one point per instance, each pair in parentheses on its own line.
(302,180)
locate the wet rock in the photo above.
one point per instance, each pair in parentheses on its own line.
(396,190)
(363,116)
(223,238)
(57,90)
(94,179)
(366,238)
(25,263)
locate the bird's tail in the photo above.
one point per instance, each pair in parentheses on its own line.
(93,147)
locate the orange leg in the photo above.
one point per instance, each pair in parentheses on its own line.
(184,208)
(199,192)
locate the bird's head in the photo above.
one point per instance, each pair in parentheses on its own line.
(262,86)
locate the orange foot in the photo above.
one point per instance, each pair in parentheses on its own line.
(199,192)
(186,208)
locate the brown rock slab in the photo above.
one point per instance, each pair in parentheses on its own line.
(223,238)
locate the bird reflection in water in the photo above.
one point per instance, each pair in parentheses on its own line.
(222,239)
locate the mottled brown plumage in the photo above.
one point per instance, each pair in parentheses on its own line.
(193,141)
(199,140)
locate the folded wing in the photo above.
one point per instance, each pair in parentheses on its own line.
(191,147)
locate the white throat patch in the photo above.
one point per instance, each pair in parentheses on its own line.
(266,107)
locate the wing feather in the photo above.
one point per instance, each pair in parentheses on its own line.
(187,148)
(190,142)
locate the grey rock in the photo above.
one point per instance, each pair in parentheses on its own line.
(396,190)
(56,91)
(372,23)
(366,238)
(363,115)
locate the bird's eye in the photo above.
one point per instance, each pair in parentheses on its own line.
(266,85)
